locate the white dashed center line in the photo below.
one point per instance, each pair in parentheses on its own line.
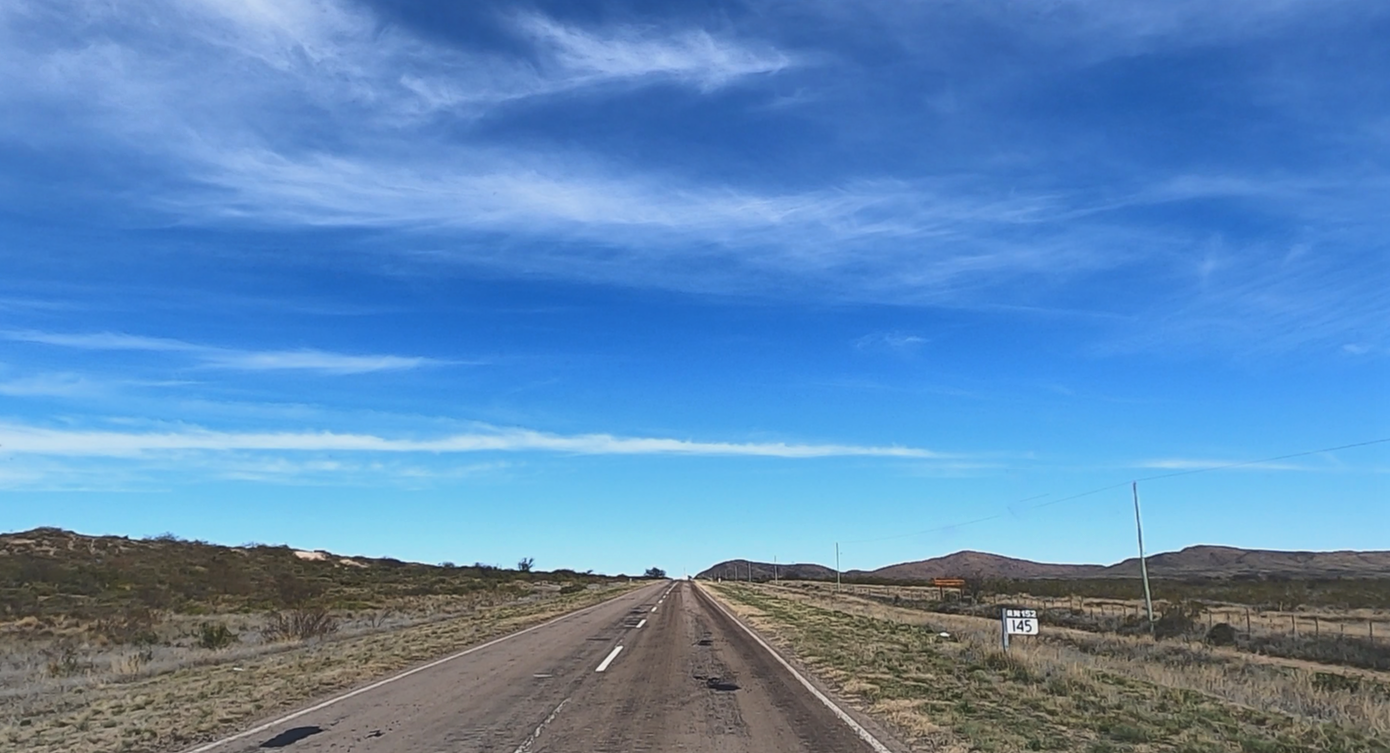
(531,739)
(643,622)
(610,659)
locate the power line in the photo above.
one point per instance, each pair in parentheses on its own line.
(1120,485)
(1290,456)
(944,528)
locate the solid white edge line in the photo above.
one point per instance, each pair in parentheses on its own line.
(337,699)
(864,734)
(640,624)
(609,660)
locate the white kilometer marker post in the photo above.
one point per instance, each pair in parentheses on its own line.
(610,659)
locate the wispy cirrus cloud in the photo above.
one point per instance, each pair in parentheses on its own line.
(627,52)
(34,440)
(142,84)
(893,341)
(49,385)
(311,360)
(336,472)
(227,358)
(144,73)
(338,54)
(320,113)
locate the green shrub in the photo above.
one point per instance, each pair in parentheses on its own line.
(63,660)
(215,636)
(299,624)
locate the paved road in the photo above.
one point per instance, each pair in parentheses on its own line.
(659,669)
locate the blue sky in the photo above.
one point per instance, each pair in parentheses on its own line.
(613,285)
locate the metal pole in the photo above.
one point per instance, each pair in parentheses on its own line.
(774,568)
(837,567)
(1143,565)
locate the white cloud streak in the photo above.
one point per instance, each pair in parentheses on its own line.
(311,360)
(624,53)
(227,358)
(49,385)
(30,440)
(1201,464)
(898,342)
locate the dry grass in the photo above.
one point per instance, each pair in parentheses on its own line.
(162,697)
(1349,637)
(1069,690)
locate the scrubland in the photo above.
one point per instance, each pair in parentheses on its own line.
(1344,622)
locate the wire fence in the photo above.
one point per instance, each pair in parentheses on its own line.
(1366,624)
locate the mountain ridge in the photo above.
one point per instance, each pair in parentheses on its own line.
(1197,561)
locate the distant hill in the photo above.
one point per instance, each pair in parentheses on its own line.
(1228,562)
(738,570)
(1193,562)
(981,564)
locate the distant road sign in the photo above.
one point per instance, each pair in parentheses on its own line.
(948,582)
(1021,621)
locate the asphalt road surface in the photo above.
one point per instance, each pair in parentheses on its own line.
(660,669)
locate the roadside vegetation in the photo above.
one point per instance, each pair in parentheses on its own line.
(1066,690)
(108,643)
(1342,622)
(1272,592)
(50,573)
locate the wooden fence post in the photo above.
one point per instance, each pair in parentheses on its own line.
(1247,620)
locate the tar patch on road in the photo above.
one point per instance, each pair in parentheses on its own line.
(290,737)
(718,683)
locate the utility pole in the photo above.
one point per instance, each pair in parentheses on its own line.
(774,569)
(837,567)
(1143,565)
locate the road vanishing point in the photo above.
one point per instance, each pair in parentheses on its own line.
(662,668)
